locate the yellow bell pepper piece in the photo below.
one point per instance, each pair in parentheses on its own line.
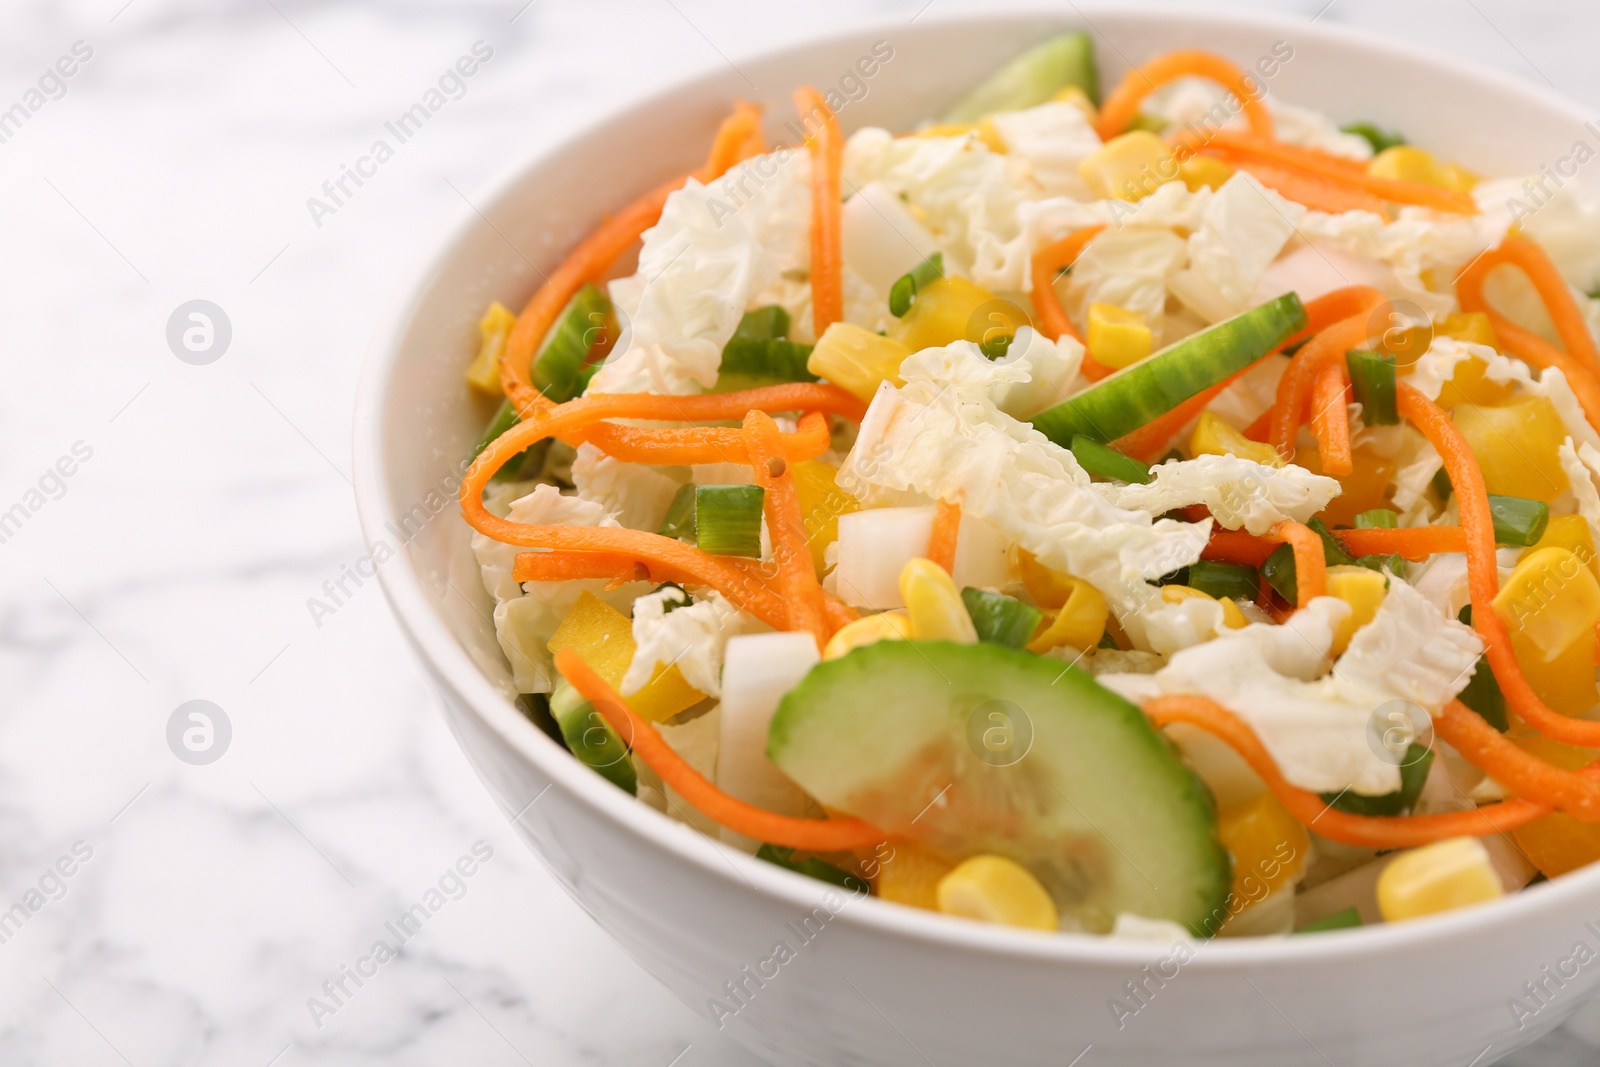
(868,630)
(857,360)
(1129,167)
(1213,437)
(1570,532)
(1472,327)
(493,329)
(1438,877)
(955,309)
(1078,99)
(1206,172)
(911,875)
(934,604)
(603,636)
(1232,617)
(1117,337)
(1269,846)
(1408,163)
(1455,176)
(1049,588)
(1363,590)
(1558,843)
(1364,488)
(1551,603)
(1518,445)
(1079,622)
(997,890)
(821,504)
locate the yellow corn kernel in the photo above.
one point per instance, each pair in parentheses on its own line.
(1049,588)
(603,636)
(868,630)
(821,504)
(1551,600)
(493,329)
(1078,99)
(911,875)
(989,134)
(1080,621)
(1364,488)
(1472,327)
(1570,532)
(955,309)
(1213,437)
(857,360)
(1455,176)
(1363,590)
(1232,617)
(1117,337)
(934,604)
(1206,172)
(994,889)
(945,129)
(1408,163)
(1518,445)
(1438,877)
(1129,167)
(1269,846)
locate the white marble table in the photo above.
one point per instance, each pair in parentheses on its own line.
(176,520)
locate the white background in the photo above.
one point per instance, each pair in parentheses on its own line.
(178,561)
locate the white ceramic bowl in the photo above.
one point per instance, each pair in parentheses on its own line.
(877,983)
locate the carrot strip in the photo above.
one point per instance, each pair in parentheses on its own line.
(946,527)
(1147,442)
(1536,351)
(1483,576)
(791,548)
(1525,774)
(1299,380)
(1330,421)
(703,444)
(1308,190)
(1048,262)
(816,835)
(1262,427)
(1412,542)
(738,138)
(826,145)
(1552,288)
(1122,106)
(1310,568)
(1333,306)
(1238,546)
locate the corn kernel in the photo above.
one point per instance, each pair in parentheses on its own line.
(1472,327)
(1518,445)
(1129,167)
(955,309)
(1455,176)
(1117,337)
(603,636)
(1552,599)
(934,604)
(1213,437)
(1079,622)
(1269,846)
(1232,617)
(1572,533)
(1079,99)
(1206,172)
(868,630)
(1407,163)
(1049,588)
(1363,590)
(857,360)
(997,890)
(821,503)
(911,875)
(493,329)
(1438,877)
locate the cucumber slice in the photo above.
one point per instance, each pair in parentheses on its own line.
(573,349)
(1122,402)
(985,749)
(1034,77)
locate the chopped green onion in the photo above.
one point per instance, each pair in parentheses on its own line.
(1482,693)
(679,522)
(1517,521)
(1372,378)
(571,352)
(1146,121)
(727,520)
(921,276)
(811,867)
(1224,580)
(591,738)
(1279,572)
(536,706)
(1378,519)
(769,323)
(505,417)
(749,362)
(1441,484)
(1107,641)
(1378,138)
(1413,773)
(1348,919)
(1000,619)
(1177,577)
(1394,563)
(1293,346)
(996,346)
(1332,551)
(1103,461)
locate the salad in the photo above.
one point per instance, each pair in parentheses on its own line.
(1152,513)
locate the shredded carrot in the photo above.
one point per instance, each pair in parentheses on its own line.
(815,835)
(1547,280)
(1331,307)
(1261,429)
(1048,263)
(738,138)
(1412,542)
(1310,568)
(946,527)
(1330,420)
(1237,546)
(1296,386)
(703,444)
(791,549)
(1483,576)
(1308,190)
(1122,106)
(826,145)
(1150,440)
(1525,774)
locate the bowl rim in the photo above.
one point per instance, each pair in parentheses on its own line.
(651,829)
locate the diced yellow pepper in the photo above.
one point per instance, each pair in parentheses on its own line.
(911,875)
(1049,588)
(1570,532)
(603,636)
(997,890)
(934,604)
(1472,327)
(1206,172)
(954,309)
(1078,99)
(1213,437)
(868,630)
(1518,445)
(1438,877)
(1363,590)
(1408,163)
(1364,488)
(1129,167)
(1079,622)
(1551,603)
(1455,176)
(493,329)
(1558,842)
(1269,846)
(1117,337)
(857,360)
(821,504)
(1232,617)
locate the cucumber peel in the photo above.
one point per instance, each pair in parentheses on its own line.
(1034,77)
